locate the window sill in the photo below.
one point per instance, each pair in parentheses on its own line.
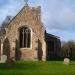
(25,48)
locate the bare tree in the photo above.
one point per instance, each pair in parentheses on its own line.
(4,25)
(6,21)
(69,48)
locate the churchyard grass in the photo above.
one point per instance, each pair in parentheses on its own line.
(38,68)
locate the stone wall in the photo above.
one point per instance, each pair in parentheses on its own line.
(6,48)
(29,17)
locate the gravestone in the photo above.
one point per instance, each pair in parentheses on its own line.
(66,61)
(3,59)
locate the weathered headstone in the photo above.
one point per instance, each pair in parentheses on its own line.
(3,59)
(66,61)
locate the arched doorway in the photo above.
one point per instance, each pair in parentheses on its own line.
(6,48)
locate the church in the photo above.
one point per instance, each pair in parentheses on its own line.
(25,37)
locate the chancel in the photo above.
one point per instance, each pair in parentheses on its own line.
(25,37)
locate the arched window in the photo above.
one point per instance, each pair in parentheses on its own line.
(25,37)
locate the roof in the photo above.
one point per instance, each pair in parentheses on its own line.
(21,11)
(48,36)
(5,25)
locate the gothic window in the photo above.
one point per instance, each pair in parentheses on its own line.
(25,37)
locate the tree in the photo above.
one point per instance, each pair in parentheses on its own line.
(4,25)
(69,48)
(6,21)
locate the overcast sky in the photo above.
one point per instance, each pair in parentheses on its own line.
(58,16)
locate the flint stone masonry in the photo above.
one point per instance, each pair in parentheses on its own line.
(27,17)
(40,41)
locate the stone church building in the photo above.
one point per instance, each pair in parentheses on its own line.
(25,37)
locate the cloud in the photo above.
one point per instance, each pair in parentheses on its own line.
(64,35)
(57,15)
(11,7)
(3,3)
(59,18)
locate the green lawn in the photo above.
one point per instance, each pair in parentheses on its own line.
(38,68)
